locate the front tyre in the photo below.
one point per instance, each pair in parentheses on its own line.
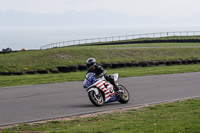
(97,100)
(124,97)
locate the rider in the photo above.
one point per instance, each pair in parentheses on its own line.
(100,72)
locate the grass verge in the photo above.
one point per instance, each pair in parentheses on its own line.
(79,76)
(177,117)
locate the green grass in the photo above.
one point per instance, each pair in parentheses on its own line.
(77,55)
(79,76)
(177,117)
(50,59)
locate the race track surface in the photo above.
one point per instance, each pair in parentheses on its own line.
(41,102)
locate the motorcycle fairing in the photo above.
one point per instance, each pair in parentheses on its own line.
(113,98)
(107,88)
(116,75)
(91,83)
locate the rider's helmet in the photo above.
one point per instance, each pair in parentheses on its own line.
(90,62)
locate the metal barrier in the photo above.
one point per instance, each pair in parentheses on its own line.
(120,38)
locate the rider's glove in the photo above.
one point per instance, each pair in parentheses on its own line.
(100,75)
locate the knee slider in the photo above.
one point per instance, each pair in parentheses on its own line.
(111,77)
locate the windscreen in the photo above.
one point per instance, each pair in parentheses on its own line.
(89,75)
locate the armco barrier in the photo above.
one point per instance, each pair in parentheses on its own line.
(73,68)
(190,62)
(53,71)
(157,63)
(135,64)
(168,63)
(66,69)
(16,73)
(143,63)
(106,65)
(5,73)
(63,69)
(129,64)
(162,62)
(31,72)
(82,67)
(184,62)
(151,63)
(122,65)
(176,62)
(195,61)
(115,65)
(42,71)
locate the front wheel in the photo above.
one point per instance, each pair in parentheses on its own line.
(124,97)
(97,100)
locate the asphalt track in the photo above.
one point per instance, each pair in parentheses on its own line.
(47,101)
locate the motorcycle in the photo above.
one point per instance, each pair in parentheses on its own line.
(101,91)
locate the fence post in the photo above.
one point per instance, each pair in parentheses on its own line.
(119,38)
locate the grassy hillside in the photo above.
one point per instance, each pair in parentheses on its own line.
(77,55)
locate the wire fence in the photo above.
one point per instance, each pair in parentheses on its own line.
(120,38)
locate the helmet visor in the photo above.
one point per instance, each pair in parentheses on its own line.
(89,65)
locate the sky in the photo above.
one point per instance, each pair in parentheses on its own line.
(163,9)
(167,13)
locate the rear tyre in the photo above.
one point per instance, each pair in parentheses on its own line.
(97,100)
(124,97)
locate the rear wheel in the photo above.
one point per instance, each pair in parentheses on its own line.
(97,100)
(124,97)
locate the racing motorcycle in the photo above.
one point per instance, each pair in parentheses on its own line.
(101,91)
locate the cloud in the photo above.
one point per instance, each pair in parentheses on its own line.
(75,2)
(164,9)
(38,6)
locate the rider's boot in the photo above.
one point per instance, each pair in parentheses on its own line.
(116,87)
(110,78)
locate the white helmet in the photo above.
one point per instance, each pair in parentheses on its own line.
(90,62)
